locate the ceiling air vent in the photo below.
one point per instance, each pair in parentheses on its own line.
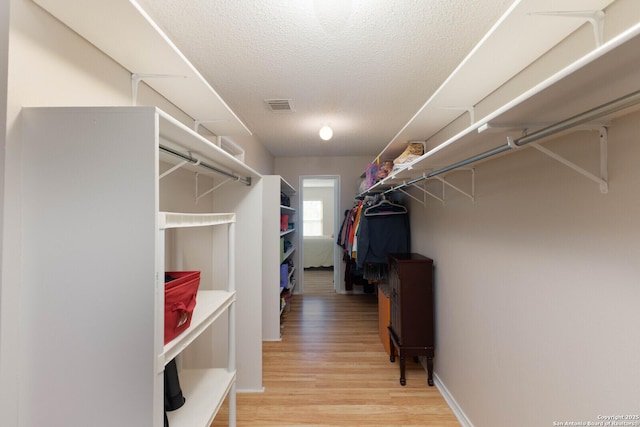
(279,105)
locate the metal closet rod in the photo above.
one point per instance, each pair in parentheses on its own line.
(189,158)
(577,120)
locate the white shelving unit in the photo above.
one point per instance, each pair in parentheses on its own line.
(274,185)
(289,236)
(206,388)
(528,31)
(124,31)
(93,269)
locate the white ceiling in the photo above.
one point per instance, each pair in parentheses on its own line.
(363,66)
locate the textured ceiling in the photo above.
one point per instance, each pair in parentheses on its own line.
(363,66)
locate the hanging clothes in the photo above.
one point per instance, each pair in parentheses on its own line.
(372,229)
(380,235)
(346,240)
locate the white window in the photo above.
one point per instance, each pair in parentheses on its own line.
(312,217)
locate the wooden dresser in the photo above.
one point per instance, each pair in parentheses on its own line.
(411,325)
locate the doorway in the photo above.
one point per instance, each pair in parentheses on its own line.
(319,221)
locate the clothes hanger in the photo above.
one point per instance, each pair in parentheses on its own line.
(385,207)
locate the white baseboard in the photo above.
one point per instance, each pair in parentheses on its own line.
(455,408)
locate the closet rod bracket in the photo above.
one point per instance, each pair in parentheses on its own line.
(173,169)
(429,176)
(446,183)
(422,202)
(423,189)
(602,180)
(211,190)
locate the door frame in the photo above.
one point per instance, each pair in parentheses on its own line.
(336,227)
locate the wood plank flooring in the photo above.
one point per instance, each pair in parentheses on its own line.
(330,369)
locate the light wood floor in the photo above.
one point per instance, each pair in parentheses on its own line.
(330,369)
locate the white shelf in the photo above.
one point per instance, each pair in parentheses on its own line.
(520,36)
(209,306)
(182,138)
(596,78)
(202,388)
(291,287)
(180,220)
(126,33)
(289,231)
(287,254)
(287,208)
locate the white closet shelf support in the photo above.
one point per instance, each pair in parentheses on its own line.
(173,169)
(434,176)
(446,183)
(602,179)
(427,193)
(406,193)
(593,17)
(471,110)
(136,78)
(211,190)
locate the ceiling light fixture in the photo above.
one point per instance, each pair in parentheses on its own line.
(326,133)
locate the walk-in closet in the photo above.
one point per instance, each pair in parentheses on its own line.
(317,212)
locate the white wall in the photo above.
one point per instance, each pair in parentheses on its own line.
(348,168)
(537,285)
(255,154)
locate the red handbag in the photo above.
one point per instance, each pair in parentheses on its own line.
(180,290)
